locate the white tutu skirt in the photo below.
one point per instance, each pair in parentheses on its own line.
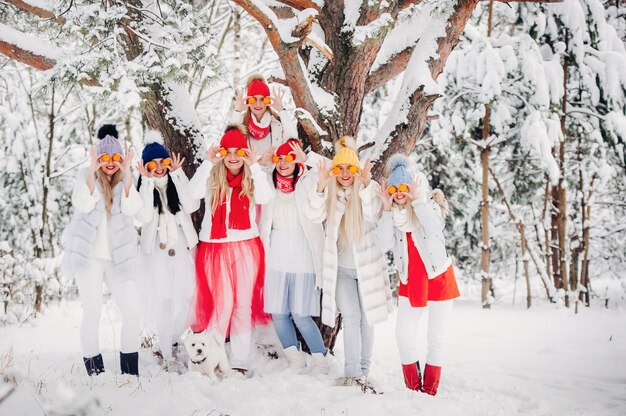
(167,288)
(290,278)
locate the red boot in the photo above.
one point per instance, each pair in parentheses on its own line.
(432,375)
(412,376)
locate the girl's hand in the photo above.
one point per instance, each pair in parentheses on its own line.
(143,170)
(95,160)
(126,163)
(177,162)
(277,99)
(266,159)
(240,100)
(366,174)
(414,189)
(385,196)
(251,157)
(325,176)
(213,154)
(301,157)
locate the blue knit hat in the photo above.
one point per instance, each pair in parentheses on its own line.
(398,165)
(108,140)
(154,147)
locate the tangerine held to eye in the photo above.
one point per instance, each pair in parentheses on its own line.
(223,152)
(152,165)
(117,158)
(275,159)
(167,161)
(105,158)
(241,152)
(403,187)
(336,170)
(392,190)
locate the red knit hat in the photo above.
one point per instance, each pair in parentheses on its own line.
(233,138)
(285,148)
(258,87)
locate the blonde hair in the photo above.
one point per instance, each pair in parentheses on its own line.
(108,186)
(351,223)
(218,185)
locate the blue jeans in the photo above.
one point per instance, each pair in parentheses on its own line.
(358,336)
(286,331)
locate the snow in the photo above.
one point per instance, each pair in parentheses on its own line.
(37,46)
(536,136)
(504,361)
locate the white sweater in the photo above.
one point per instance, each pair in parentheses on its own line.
(199,188)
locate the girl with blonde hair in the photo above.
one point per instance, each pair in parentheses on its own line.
(426,274)
(101,246)
(230,262)
(354,272)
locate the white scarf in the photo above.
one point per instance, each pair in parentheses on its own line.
(168,226)
(402,220)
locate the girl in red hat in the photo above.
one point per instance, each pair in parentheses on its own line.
(426,274)
(294,260)
(263,115)
(230,263)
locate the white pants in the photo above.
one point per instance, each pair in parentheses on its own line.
(406,330)
(125,295)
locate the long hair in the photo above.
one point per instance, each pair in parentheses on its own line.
(173,202)
(294,179)
(218,184)
(351,223)
(107,187)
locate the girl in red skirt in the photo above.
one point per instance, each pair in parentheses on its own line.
(230,263)
(426,274)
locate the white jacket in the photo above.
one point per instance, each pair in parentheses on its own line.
(427,236)
(149,214)
(371,267)
(199,188)
(314,232)
(279,131)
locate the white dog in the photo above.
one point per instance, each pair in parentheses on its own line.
(206,353)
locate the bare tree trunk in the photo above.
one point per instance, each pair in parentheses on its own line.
(521,228)
(487,284)
(562,191)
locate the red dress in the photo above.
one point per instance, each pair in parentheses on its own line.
(419,289)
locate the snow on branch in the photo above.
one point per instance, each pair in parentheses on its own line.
(29,50)
(38,8)
(389,70)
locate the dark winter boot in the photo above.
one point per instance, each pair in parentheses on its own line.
(130,363)
(94,365)
(412,376)
(432,375)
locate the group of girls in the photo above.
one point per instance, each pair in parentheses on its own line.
(279,242)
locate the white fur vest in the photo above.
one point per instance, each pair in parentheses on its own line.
(371,267)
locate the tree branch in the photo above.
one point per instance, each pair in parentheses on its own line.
(29,58)
(389,70)
(37,11)
(300,4)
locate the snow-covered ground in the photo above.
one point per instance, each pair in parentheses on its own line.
(506,361)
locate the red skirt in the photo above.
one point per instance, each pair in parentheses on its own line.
(419,289)
(230,278)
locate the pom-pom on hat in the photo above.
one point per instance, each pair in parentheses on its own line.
(398,166)
(108,140)
(234,138)
(345,152)
(258,86)
(154,147)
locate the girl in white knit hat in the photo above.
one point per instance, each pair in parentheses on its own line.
(101,246)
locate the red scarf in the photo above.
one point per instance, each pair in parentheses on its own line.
(284,183)
(239,218)
(257,132)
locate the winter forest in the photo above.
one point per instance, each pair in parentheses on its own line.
(515,109)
